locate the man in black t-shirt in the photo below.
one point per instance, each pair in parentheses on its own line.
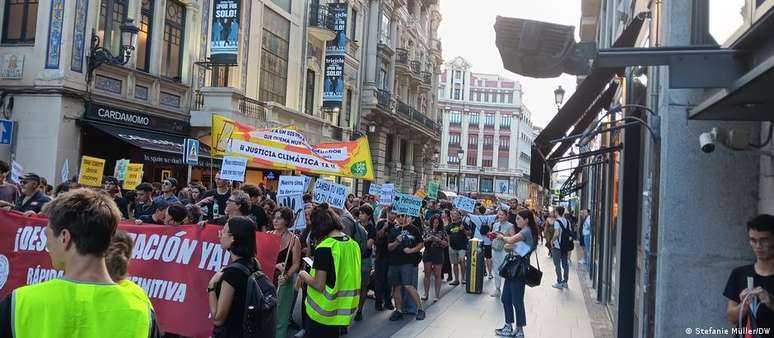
(760,232)
(459,233)
(404,245)
(213,203)
(381,263)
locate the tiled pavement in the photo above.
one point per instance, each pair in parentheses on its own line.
(550,312)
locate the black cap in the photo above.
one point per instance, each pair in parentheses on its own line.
(173,181)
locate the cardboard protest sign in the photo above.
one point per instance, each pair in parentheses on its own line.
(133,176)
(291,185)
(374,189)
(432,189)
(387,194)
(233,168)
(406,204)
(464,203)
(92,169)
(329,192)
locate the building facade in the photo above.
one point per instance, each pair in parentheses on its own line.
(668,226)
(172,84)
(484,121)
(398,97)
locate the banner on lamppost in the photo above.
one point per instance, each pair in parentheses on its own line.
(333,87)
(224,43)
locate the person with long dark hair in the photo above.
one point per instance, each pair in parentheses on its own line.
(333,284)
(436,241)
(287,264)
(227,288)
(513,290)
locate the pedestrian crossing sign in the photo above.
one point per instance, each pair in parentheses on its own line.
(191,151)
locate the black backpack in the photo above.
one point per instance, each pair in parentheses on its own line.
(260,314)
(566,243)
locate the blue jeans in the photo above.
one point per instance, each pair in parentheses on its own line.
(587,248)
(513,297)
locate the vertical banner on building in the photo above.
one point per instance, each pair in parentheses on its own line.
(333,88)
(92,169)
(224,44)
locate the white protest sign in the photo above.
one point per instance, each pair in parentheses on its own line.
(387,194)
(291,185)
(120,171)
(407,205)
(16,172)
(65,172)
(233,168)
(307,180)
(374,189)
(464,203)
(329,192)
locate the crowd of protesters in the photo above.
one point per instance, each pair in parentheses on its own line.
(351,251)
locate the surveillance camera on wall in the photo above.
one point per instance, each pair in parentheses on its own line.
(707,140)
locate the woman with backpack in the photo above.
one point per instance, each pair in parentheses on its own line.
(332,284)
(227,290)
(288,264)
(513,290)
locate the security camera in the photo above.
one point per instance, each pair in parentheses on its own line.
(707,140)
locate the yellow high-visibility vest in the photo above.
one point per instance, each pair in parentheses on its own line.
(337,305)
(63,308)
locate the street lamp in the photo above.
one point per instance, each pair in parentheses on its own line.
(559,97)
(100,55)
(372,127)
(460,154)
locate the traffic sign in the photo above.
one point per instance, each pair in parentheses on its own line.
(6,131)
(191,151)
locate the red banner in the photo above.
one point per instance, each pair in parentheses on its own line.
(172,263)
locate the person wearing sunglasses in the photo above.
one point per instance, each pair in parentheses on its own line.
(32,199)
(238,204)
(168,191)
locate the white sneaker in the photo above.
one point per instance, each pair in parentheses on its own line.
(558,285)
(505,331)
(495,293)
(300,334)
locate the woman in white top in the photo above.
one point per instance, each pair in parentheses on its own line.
(499,247)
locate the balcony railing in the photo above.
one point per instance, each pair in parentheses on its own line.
(427,78)
(404,109)
(411,113)
(320,17)
(383,98)
(252,108)
(416,67)
(401,57)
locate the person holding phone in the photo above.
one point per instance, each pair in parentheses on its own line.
(750,287)
(499,248)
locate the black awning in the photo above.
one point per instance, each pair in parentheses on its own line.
(585,93)
(601,102)
(747,99)
(149,140)
(572,113)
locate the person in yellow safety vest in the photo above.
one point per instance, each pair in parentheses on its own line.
(333,285)
(84,302)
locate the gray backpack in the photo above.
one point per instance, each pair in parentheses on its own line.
(358,233)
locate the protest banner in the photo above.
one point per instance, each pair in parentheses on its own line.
(285,148)
(233,168)
(172,264)
(387,194)
(120,170)
(294,202)
(92,169)
(406,204)
(374,189)
(432,189)
(290,185)
(329,192)
(133,176)
(17,172)
(64,174)
(464,203)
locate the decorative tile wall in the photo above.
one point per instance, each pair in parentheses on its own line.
(79,35)
(169,100)
(54,45)
(108,84)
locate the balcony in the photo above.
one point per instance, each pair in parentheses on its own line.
(418,118)
(436,48)
(321,22)
(384,99)
(229,102)
(416,67)
(427,80)
(401,60)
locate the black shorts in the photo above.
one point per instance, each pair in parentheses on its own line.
(487,251)
(433,255)
(402,275)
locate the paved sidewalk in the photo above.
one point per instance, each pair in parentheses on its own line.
(550,312)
